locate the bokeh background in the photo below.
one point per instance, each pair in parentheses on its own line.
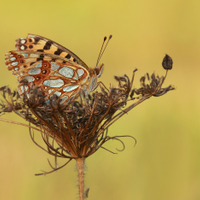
(165,164)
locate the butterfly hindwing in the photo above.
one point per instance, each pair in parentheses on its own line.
(52,73)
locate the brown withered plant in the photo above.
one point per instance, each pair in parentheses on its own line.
(78,128)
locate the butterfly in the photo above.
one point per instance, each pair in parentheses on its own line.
(55,69)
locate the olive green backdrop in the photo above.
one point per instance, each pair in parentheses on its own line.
(165,164)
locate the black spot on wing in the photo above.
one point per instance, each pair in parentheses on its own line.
(47,46)
(32,63)
(40,58)
(40,50)
(36,39)
(68,56)
(58,52)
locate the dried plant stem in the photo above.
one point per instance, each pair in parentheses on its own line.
(18,123)
(80,169)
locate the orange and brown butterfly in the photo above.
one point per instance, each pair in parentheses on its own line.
(55,69)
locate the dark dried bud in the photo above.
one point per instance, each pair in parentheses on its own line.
(132,94)
(3,88)
(167,62)
(142,80)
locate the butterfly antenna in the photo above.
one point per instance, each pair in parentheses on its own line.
(103,48)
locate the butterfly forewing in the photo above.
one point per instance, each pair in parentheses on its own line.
(54,74)
(42,44)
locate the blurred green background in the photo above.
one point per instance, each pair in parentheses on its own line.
(165,164)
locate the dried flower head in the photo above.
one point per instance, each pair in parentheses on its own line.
(77,128)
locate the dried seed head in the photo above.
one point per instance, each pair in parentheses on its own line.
(167,62)
(79,127)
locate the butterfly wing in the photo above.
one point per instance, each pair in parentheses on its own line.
(54,74)
(42,44)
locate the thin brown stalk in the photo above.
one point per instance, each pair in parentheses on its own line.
(80,170)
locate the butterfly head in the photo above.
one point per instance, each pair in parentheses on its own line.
(99,70)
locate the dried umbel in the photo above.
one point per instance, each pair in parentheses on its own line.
(73,129)
(77,128)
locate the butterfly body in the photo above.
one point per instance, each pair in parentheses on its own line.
(52,67)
